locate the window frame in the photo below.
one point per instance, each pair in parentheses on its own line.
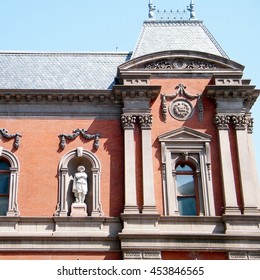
(13,181)
(186,144)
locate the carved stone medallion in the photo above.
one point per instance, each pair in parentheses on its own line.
(181,109)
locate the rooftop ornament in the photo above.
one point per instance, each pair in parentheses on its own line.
(172,15)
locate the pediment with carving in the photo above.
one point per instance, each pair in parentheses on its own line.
(184,133)
(180,61)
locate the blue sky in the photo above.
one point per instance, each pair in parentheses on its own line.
(105,25)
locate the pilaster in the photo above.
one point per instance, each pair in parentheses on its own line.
(229,189)
(128,123)
(249,192)
(147,164)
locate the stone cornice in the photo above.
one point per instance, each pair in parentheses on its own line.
(58,96)
(136,91)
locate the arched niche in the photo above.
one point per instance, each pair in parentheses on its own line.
(67,168)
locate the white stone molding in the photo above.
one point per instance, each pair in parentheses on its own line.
(228,181)
(195,145)
(249,190)
(13,182)
(65,178)
(147,164)
(144,255)
(128,123)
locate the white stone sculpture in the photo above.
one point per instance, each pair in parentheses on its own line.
(80,185)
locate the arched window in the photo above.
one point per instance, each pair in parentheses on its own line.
(187,189)
(9,170)
(4,186)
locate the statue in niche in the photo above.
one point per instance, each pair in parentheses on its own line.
(80,185)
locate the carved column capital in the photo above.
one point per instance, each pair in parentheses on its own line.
(146,121)
(222,121)
(128,121)
(239,122)
(250,125)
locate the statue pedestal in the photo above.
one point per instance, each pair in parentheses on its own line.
(78,210)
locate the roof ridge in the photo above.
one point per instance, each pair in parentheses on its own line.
(35,53)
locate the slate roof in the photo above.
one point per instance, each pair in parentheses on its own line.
(59,70)
(164,35)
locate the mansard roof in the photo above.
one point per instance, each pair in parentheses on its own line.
(59,70)
(158,36)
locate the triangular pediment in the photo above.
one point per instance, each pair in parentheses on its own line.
(180,61)
(184,134)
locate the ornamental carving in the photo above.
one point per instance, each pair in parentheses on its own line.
(79,132)
(181,109)
(181,64)
(4,134)
(239,122)
(222,121)
(145,121)
(128,121)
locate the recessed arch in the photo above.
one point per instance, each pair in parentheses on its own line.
(67,167)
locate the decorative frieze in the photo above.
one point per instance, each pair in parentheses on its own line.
(181,64)
(4,134)
(79,132)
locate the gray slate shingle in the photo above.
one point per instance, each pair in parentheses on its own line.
(157,36)
(59,70)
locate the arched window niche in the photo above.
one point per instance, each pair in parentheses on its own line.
(67,169)
(9,172)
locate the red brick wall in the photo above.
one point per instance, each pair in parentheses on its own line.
(39,156)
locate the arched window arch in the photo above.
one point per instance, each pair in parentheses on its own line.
(187,189)
(9,169)
(67,168)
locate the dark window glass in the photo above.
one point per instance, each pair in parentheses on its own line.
(4,186)
(186,190)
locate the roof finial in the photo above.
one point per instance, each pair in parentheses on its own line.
(191,9)
(152,8)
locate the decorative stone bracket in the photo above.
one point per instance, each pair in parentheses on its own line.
(5,135)
(77,132)
(182,110)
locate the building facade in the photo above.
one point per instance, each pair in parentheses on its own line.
(161,138)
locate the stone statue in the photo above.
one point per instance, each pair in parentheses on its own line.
(80,185)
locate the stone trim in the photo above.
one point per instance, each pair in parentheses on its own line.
(13,182)
(62,204)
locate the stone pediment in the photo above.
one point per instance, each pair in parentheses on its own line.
(180,61)
(184,134)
